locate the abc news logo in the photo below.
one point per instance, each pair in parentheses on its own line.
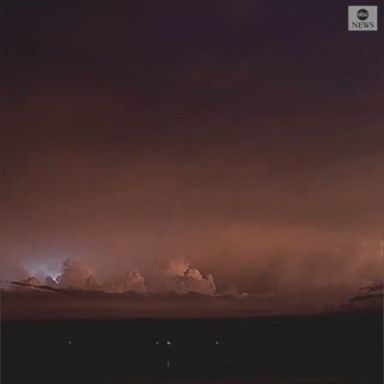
(362,18)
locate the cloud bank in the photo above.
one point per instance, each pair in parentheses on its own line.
(178,278)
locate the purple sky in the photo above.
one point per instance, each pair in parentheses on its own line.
(245,137)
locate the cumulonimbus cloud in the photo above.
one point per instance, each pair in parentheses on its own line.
(181,278)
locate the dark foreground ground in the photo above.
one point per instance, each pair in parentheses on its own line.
(333,348)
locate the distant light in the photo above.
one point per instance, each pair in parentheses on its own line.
(168,364)
(42,269)
(70,342)
(157,342)
(168,342)
(217,342)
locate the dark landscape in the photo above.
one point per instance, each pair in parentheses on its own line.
(330,348)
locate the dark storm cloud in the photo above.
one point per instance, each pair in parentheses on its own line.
(245,138)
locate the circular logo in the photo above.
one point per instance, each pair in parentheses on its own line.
(362,14)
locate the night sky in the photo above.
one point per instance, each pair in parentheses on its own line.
(242,136)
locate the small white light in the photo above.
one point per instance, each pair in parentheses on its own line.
(168,342)
(70,342)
